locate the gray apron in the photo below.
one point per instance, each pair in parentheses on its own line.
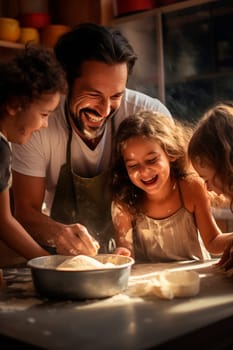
(86,201)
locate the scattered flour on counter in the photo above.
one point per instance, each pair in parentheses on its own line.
(14,304)
(27,287)
(116,300)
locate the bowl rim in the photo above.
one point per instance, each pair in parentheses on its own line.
(31,264)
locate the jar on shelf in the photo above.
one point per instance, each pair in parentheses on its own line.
(28,34)
(51,33)
(9,29)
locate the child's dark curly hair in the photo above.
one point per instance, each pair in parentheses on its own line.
(32,72)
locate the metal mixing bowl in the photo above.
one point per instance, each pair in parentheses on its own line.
(87,284)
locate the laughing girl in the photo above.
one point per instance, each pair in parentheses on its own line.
(161,210)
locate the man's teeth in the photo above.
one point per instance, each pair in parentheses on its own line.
(94,119)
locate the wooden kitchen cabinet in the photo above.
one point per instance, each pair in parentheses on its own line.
(68,12)
(185,54)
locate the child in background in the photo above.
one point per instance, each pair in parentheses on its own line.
(30,89)
(161,209)
(211,153)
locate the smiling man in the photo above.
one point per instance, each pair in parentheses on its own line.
(66,166)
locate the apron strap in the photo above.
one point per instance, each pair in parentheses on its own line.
(84,200)
(68,147)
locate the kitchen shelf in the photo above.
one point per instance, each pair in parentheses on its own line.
(67,12)
(10,45)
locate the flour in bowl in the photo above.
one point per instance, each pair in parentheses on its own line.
(83,262)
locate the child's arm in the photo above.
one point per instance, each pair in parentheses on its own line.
(122,222)
(226,260)
(13,234)
(214,240)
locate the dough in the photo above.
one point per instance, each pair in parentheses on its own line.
(82,262)
(167,284)
(180,283)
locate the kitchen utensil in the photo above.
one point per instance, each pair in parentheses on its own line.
(85,284)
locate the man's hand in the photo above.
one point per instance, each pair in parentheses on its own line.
(74,240)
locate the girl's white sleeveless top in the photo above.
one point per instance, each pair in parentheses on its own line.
(173,238)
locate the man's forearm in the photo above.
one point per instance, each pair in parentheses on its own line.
(40,226)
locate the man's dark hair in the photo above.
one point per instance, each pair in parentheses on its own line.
(89,41)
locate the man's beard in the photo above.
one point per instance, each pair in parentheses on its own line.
(91,133)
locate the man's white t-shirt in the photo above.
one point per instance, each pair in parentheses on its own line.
(45,152)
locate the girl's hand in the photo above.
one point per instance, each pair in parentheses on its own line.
(226,261)
(122,251)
